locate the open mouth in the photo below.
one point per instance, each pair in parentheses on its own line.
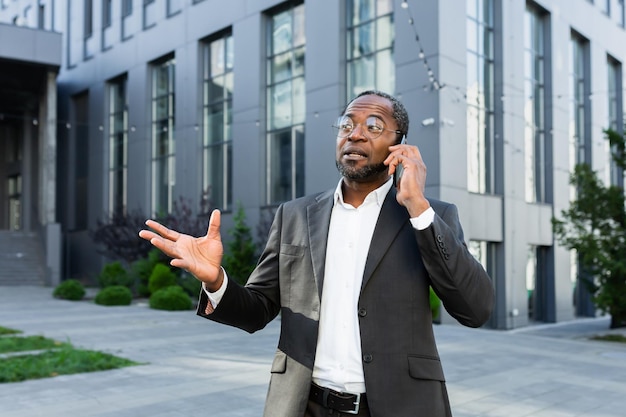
(354,154)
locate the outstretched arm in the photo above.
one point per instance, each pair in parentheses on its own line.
(200,256)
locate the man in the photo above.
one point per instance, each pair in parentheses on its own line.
(350,270)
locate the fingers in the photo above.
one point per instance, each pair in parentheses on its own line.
(409,151)
(163,231)
(161,238)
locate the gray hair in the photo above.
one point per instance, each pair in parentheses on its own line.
(400,114)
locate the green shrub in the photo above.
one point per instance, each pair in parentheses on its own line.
(70,290)
(141,269)
(170,298)
(435,305)
(114,274)
(161,277)
(189,283)
(116,295)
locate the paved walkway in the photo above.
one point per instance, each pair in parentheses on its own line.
(196,368)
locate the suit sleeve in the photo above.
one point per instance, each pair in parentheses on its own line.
(459,280)
(252,306)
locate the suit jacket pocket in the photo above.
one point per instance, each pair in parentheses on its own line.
(279,366)
(292,250)
(423,367)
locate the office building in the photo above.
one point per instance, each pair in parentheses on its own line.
(231,103)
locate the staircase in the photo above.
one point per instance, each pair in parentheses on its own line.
(21,260)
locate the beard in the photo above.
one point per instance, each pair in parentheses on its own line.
(364,173)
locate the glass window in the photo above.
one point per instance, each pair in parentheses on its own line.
(479,96)
(217,122)
(88,19)
(127,7)
(534,105)
(539,280)
(106,13)
(163,151)
(616,120)
(370,36)
(118,145)
(149,13)
(41,16)
(285,105)
(579,93)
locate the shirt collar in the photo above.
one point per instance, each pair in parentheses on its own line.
(378,194)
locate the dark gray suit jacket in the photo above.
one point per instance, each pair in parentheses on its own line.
(403,374)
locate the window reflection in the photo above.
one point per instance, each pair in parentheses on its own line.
(370,36)
(479,96)
(285,105)
(217,122)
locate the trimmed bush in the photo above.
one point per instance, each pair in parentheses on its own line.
(114,274)
(141,269)
(70,290)
(161,277)
(189,283)
(172,298)
(116,295)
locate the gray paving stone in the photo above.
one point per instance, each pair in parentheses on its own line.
(194,368)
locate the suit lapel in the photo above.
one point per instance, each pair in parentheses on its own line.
(391,219)
(318,218)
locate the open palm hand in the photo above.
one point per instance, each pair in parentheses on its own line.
(200,256)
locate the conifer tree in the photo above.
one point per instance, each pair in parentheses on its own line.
(240,257)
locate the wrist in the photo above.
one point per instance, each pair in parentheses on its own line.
(417,207)
(217,284)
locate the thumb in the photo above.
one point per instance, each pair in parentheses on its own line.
(213,231)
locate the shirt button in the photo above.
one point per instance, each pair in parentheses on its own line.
(367,358)
(362,312)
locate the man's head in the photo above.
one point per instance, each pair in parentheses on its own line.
(399,114)
(371,123)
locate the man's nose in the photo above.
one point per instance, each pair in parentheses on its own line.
(357,133)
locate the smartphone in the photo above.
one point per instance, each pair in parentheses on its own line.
(399,168)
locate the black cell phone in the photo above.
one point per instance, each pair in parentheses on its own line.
(399,168)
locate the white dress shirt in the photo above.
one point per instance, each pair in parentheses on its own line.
(338,363)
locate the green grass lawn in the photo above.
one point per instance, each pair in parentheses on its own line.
(53,358)
(21,344)
(6,330)
(611,338)
(65,361)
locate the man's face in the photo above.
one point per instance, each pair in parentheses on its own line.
(359,158)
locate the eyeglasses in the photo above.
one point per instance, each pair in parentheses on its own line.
(371,129)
